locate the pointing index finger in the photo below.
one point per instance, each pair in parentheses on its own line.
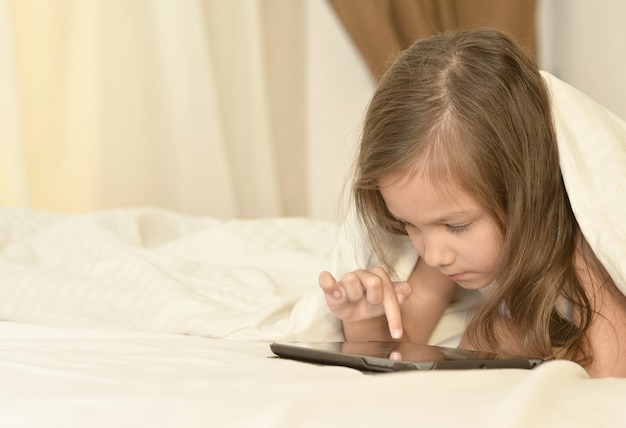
(392,311)
(392,308)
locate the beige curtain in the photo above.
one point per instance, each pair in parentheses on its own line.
(191,105)
(382,28)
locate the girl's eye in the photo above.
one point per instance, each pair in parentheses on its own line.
(458,228)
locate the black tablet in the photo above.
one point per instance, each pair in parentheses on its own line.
(397,356)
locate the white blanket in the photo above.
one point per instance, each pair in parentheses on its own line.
(154,270)
(592,151)
(150,318)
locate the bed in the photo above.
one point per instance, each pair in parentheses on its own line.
(147,317)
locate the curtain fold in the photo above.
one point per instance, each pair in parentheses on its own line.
(381,29)
(183,105)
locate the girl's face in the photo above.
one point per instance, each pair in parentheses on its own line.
(448,228)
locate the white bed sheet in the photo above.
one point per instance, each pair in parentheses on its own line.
(62,377)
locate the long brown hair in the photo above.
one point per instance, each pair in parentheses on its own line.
(475,105)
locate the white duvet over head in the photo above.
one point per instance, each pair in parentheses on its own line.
(592,152)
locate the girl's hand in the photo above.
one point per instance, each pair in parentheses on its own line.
(365,294)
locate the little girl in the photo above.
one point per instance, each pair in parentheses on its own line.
(459,153)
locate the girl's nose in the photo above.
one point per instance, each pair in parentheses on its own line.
(436,255)
(434,252)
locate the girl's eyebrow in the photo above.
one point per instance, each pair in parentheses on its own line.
(446,218)
(455,215)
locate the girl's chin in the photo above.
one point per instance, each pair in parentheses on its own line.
(470,282)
